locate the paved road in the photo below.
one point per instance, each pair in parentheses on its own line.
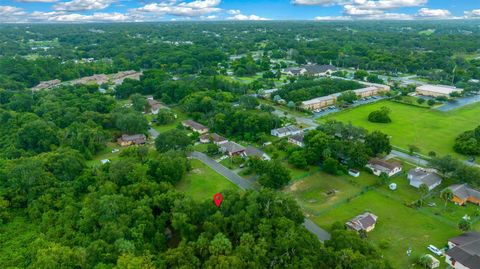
(222,170)
(153,133)
(409,158)
(244,184)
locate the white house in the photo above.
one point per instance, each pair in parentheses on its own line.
(464,251)
(419,176)
(379,166)
(286,131)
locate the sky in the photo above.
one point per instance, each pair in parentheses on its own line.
(18,11)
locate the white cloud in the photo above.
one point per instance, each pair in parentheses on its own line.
(36,1)
(234,12)
(81,5)
(434,13)
(473,13)
(333,18)
(186,9)
(10,13)
(241,17)
(321,2)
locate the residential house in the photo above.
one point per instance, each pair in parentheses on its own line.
(268,93)
(319,70)
(464,251)
(437,90)
(419,176)
(232,149)
(251,152)
(379,166)
(195,126)
(463,193)
(319,102)
(297,139)
(365,222)
(128,140)
(154,105)
(46,85)
(286,131)
(214,138)
(294,71)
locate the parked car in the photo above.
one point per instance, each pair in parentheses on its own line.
(435,250)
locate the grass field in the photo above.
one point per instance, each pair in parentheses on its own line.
(399,226)
(430,130)
(202,182)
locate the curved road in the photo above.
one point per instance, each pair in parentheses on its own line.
(244,184)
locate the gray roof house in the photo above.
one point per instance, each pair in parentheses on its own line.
(463,193)
(297,139)
(286,131)
(364,222)
(232,148)
(419,176)
(251,152)
(464,251)
(320,70)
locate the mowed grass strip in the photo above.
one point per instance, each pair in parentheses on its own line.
(428,129)
(202,182)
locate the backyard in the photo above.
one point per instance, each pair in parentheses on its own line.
(430,130)
(328,199)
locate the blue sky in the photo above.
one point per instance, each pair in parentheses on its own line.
(166,10)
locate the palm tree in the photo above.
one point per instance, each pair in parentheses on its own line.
(446,195)
(423,191)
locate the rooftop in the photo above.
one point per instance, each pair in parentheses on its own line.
(318,99)
(467,251)
(439,89)
(464,191)
(194,125)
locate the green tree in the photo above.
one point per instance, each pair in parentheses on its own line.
(348,97)
(131,122)
(378,143)
(297,159)
(165,116)
(380,116)
(172,140)
(446,195)
(464,225)
(38,136)
(423,193)
(139,102)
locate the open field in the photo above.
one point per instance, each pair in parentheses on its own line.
(399,226)
(430,130)
(202,182)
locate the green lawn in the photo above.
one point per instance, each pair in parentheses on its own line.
(181,116)
(430,130)
(202,182)
(399,225)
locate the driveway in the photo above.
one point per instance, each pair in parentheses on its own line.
(153,133)
(244,184)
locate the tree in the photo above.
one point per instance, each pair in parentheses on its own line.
(274,175)
(431,102)
(165,116)
(297,159)
(348,97)
(421,101)
(131,122)
(378,143)
(464,225)
(412,149)
(423,192)
(332,166)
(37,136)
(249,102)
(361,75)
(380,116)
(212,149)
(446,195)
(446,165)
(139,103)
(172,140)
(425,261)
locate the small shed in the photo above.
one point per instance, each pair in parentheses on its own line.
(435,263)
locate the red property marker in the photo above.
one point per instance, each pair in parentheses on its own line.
(217,198)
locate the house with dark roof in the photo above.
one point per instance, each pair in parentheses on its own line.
(128,140)
(319,70)
(251,152)
(286,131)
(379,166)
(419,176)
(294,71)
(464,251)
(154,105)
(365,222)
(297,140)
(232,149)
(463,193)
(195,126)
(214,138)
